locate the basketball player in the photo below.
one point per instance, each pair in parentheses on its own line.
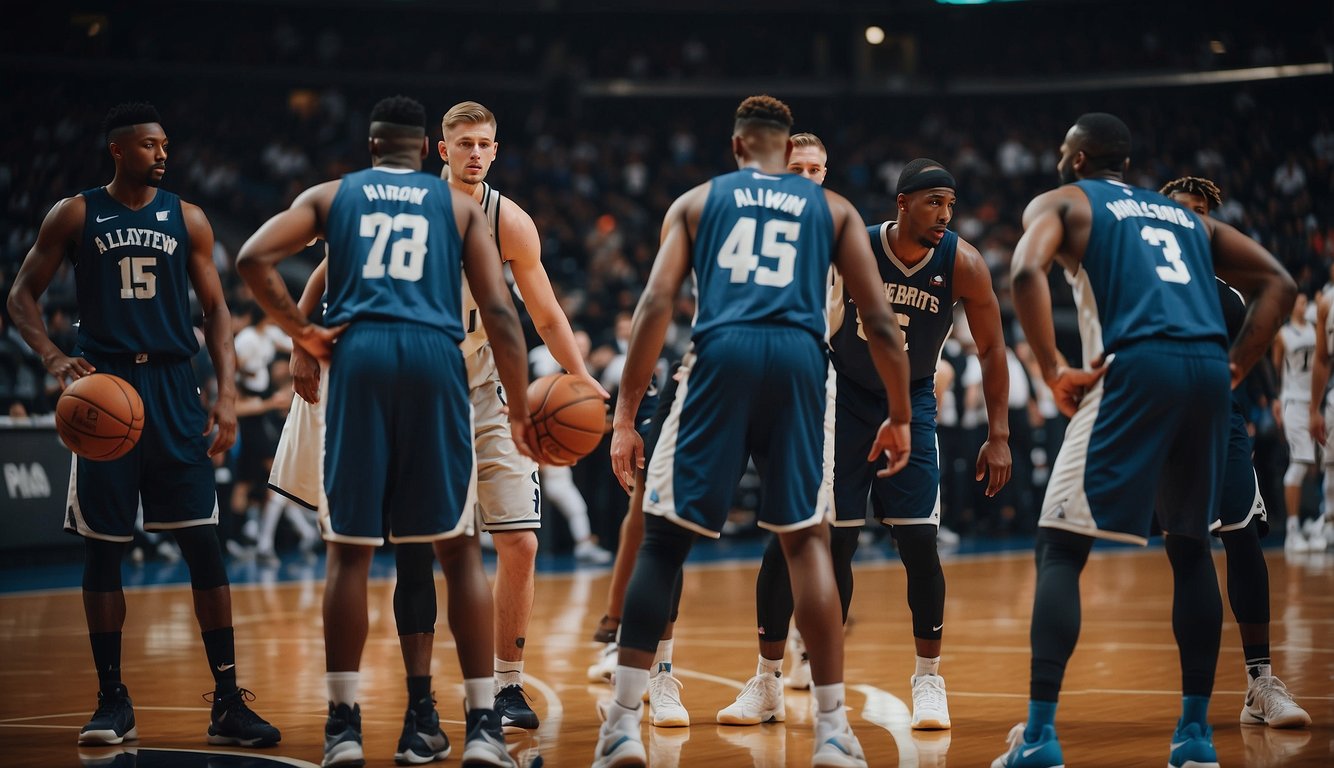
(924,269)
(398,450)
(1242,520)
(1321,403)
(1293,351)
(760,243)
(137,251)
(1148,409)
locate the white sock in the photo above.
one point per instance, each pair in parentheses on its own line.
(479,693)
(664,655)
(829,703)
(631,682)
(769,667)
(927,666)
(508,673)
(1294,524)
(342,686)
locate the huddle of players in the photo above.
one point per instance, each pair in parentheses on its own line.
(394,444)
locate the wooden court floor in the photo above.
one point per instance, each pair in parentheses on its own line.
(1118,707)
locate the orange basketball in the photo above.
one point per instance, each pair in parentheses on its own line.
(100,417)
(570,416)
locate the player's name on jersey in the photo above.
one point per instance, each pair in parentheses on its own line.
(908,296)
(414,195)
(1123,209)
(769,198)
(146,238)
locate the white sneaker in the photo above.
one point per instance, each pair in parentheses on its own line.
(1295,541)
(798,676)
(761,701)
(619,744)
(664,699)
(836,747)
(947,538)
(930,711)
(588,552)
(605,667)
(1269,703)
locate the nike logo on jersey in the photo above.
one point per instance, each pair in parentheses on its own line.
(101,219)
(162,215)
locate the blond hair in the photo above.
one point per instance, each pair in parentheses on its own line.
(808,140)
(467,112)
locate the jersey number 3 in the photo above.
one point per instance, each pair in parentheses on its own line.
(408,252)
(1175,271)
(738,252)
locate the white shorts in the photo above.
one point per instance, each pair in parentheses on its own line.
(1297,428)
(1327,450)
(298,462)
(509,495)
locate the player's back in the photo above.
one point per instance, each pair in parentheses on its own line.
(131,271)
(762,252)
(1146,272)
(394,251)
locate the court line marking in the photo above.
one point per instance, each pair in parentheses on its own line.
(36,725)
(555,708)
(705,676)
(888,711)
(251,755)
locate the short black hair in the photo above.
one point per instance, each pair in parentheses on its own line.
(1195,185)
(128,114)
(1106,140)
(400,110)
(763,111)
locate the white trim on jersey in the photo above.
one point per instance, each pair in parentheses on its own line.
(1090,322)
(905,269)
(1257,510)
(660,474)
(934,517)
(211,520)
(74,510)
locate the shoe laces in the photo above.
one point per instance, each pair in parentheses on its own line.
(108,704)
(234,704)
(755,687)
(667,685)
(512,693)
(1271,690)
(929,693)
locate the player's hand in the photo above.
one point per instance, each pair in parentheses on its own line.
(61,365)
(305,374)
(588,379)
(524,435)
(1318,432)
(1276,407)
(1237,375)
(994,458)
(627,456)
(319,341)
(1069,385)
(222,416)
(894,442)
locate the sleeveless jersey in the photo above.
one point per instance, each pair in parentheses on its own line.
(132,278)
(762,251)
(394,251)
(472,323)
(923,298)
(1298,354)
(1145,273)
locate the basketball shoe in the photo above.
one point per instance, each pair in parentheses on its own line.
(233,723)
(619,743)
(836,746)
(422,741)
(512,706)
(930,710)
(113,722)
(1269,703)
(1043,753)
(605,667)
(799,675)
(761,701)
(1193,747)
(664,697)
(485,744)
(342,737)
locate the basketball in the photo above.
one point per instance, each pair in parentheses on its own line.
(100,417)
(570,416)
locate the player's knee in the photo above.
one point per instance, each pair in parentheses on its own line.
(917,548)
(203,556)
(843,544)
(516,546)
(101,565)
(414,592)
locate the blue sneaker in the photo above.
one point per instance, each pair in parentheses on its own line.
(342,737)
(113,722)
(1043,753)
(1193,747)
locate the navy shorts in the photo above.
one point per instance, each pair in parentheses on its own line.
(748,389)
(1152,434)
(909,497)
(169,470)
(1241,500)
(650,428)
(398,454)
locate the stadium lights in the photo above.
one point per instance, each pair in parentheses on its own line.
(875,35)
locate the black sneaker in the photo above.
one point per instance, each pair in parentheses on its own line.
(485,744)
(512,706)
(422,740)
(235,724)
(342,736)
(113,722)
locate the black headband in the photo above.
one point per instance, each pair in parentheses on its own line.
(927,179)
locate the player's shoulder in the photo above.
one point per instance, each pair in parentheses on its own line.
(67,214)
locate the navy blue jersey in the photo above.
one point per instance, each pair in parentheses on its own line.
(762,252)
(923,299)
(394,251)
(1146,269)
(131,272)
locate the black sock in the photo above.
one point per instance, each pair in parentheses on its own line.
(419,689)
(106,657)
(220,646)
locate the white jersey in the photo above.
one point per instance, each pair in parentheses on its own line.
(474,333)
(1298,354)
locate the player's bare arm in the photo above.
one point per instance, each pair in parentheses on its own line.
(217,327)
(649,330)
(884,339)
(280,237)
(481,264)
(1044,240)
(59,232)
(520,243)
(304,367)
(1320,370)
(1270,292)
(972,284)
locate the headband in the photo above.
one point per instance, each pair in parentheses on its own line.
(927,179)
